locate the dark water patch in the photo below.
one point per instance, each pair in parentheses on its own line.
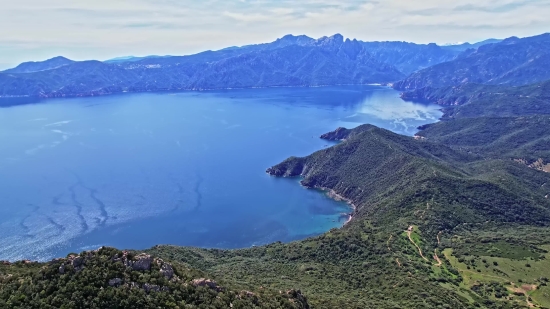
(60,228)
(102,209)
(78,206)
(24,226)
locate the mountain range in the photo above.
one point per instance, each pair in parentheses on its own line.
(513,61)
(291,61)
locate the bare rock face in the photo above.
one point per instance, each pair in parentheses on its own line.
(141,262)
(77,261)
(167,270)
(151,288)
(62,269)
(207,283)
(115,282)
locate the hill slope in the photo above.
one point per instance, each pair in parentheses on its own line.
(474,100)
(29,67)
(524,138)
(513,61)
(108,278)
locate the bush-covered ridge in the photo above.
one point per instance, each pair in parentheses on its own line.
(525,139)
(474,100)
(513,61)
(109,278)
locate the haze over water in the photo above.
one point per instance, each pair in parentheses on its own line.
(137,170)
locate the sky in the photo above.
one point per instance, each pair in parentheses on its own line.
(102,29)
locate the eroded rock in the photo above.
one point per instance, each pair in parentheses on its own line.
(115,282)
(151,287)
(207,283)
(62,269)
(142,262)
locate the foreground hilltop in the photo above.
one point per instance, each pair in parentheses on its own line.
(109,278)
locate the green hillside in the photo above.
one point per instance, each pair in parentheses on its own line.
(453,204)
(474,100)
(524,139)
(109,278)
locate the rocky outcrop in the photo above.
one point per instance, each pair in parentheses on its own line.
(167,270)
(336,135)
(299,297)
(115,282)
(207,283)
(151,288)
(291,167)
(142,262)
(77,261)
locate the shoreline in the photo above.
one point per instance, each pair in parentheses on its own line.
(98,93)
(338,198)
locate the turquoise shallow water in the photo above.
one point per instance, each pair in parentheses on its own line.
(187,168)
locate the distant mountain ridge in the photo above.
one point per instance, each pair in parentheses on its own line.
(291,61)
(513,61)
(29,67)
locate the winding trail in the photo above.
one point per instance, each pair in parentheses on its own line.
(388,242)
(438,241)
(409,231)
(439,263)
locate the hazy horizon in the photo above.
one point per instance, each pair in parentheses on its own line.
(8,66)
(37,30)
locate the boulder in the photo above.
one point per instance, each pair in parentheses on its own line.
(151,288)
(115,282)
(142,262)
(207,283)
(167,270)
(77,261)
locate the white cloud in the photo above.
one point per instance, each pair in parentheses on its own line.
(37,29)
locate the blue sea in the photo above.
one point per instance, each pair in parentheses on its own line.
(187,168)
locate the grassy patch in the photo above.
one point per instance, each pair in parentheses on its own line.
(517,275)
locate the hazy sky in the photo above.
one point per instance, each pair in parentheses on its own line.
(102,29)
